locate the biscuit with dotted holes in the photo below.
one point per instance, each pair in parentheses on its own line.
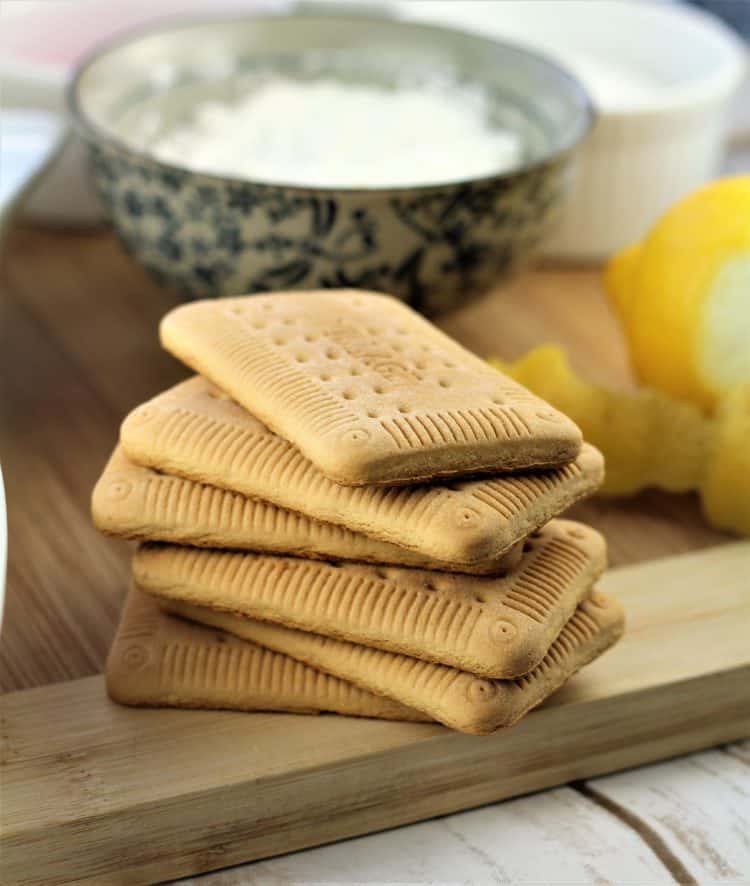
(130,501)
(160,661)
(367,389)
(195,431)
(489,625)
(457,699)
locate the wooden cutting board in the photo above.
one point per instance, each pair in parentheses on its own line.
(93,792)
(99,793)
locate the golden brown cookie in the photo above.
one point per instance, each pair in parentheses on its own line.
(457,699)
(367,389)
(195,431)
(161,661)
(130,501)
(489,625)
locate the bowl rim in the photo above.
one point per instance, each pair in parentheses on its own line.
(91,132)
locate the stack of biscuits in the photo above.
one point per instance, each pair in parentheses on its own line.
(346,511)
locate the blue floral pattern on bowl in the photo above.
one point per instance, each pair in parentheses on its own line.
(432,247)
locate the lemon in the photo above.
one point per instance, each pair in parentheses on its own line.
(683,295)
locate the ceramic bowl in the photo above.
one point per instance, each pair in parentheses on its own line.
(209,235)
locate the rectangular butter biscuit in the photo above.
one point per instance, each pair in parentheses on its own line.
(134,502)
(195,431)
(493,626)
(367,389)
(160,661)
(455,698)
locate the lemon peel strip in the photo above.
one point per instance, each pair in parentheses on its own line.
(651,439)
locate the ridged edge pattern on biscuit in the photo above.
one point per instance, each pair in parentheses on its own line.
(172,433)
(497,627)
(136,502)
(157,660)
(455,698)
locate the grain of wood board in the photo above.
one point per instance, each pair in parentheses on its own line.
(202,790)
(79,349)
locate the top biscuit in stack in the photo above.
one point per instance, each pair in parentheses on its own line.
(366,389)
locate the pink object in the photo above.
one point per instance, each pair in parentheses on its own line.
(58,35)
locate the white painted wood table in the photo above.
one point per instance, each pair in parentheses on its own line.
(683,821)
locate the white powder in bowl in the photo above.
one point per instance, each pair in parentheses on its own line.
(329,133)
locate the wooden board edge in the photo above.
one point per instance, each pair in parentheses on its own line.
(225,825)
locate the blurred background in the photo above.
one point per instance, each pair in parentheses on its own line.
(41,41)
